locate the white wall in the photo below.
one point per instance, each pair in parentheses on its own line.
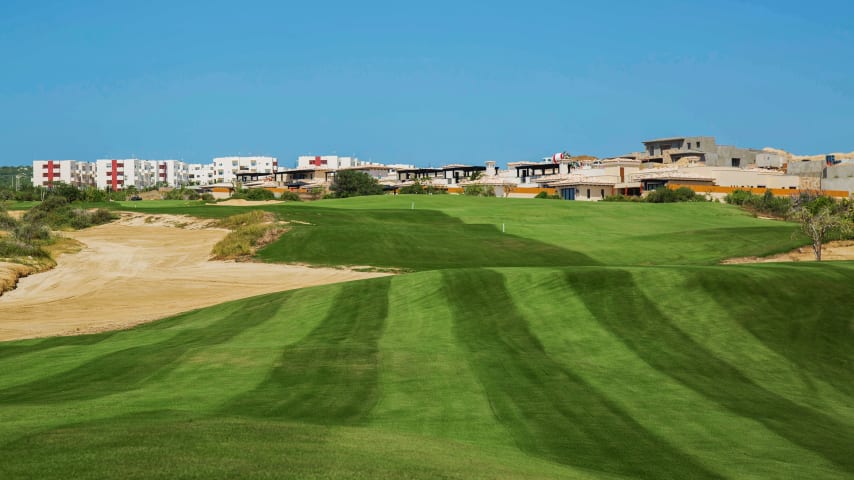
(226,168)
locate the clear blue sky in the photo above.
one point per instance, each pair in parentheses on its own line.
(428,82)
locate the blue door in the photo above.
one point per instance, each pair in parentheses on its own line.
(568,193)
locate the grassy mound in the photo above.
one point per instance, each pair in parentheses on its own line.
(573,345)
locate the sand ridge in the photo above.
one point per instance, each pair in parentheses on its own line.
(139,269)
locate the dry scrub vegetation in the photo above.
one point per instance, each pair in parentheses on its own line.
(249,232)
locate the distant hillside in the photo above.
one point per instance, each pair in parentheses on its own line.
(799,158)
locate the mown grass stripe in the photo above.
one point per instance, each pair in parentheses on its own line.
(621,307)
(812,328)
(551,411)
(331,376)
(129,368)
(427,385)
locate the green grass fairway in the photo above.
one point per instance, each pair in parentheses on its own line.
(573,346)
(449,231)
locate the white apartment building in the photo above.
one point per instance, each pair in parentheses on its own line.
(48,172)
(171,173)
(331,162)
(200,173)
(226,168)
(118,174)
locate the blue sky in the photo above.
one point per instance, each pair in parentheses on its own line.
(427,83)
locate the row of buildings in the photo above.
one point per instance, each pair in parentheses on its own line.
(698,163)
(118,174)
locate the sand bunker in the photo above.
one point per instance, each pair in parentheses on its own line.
(248,203)
(843,250)
(139,269)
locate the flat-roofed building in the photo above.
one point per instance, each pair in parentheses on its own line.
(200,173)
(699,149)
(227,168)
(171,173)
(119,174)
(46,173)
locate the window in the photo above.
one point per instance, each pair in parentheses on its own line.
(698,144)
(689,145)
(736,162)
(588,193)
(602,193)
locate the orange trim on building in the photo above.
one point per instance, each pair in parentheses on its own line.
(756,191)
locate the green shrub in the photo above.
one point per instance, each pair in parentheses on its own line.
(766,203)
(622,198)
(290,196)
(208,198)
(353,183)
(542,194)
(413,189)
(666,195)
(256,194)
(479,190)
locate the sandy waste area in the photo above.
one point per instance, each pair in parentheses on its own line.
(138,269)
(843,250)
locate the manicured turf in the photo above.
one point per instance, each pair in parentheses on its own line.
(478,367)
(448,231)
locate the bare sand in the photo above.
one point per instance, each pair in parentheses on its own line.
(139,269)
(843,250)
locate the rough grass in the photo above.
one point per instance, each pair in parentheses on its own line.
(249,231)
(554,350)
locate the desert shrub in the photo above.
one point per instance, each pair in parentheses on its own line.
(243,219)
(31,232)
(766,203)
(6,221)
(290,196)
(55,212)
(101,216)
(259,194)
(248,229)
(69,192)
(208,198)
(10,248)
(181,194)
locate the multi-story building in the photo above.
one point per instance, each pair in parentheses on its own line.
(331,162)
(700,149)
(171,173)
(48,172)
(227,168)
(200,173)
(118,174)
